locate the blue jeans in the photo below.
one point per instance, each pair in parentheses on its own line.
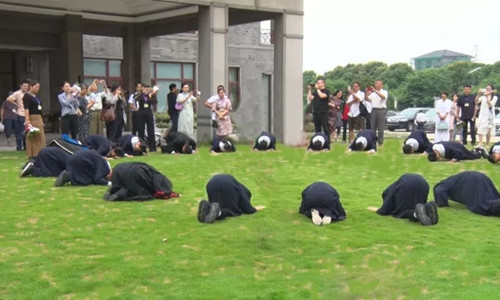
(10,127)
(20,139)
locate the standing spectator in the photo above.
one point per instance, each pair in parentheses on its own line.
(147,101)
(33,114)
(84,119)
(186,116)
(134,106)
(114,128)
(345,120)
(466,109)
(320,99)
(8,116)
(355,119)
(453,118)
(333,112)
(486,119)
(222,107)
(172,112)
(17,99)
(368,105)
(377,96)
(443,110)
(95,98)
(69,107)
(208,104)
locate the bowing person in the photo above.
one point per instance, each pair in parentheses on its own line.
(321,203)
(265,142)
(85,168)
(454,152)
(178,142)
(129,146)
(494,153)
(137,181)
(473,189)
(227,197)
(365,140)
(407,199)
(221,145)
(50,162)
(319,142)
(416,142)
(100,144)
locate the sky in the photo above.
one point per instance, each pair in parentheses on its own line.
(339,32)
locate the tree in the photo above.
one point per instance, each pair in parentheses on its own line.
(423,86)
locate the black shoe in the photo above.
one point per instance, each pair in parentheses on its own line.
(113,197)
(213,213)
(422,215)
(203,209)
(28,169)
(483,151)
(62,179)
(107,194)
(432,212)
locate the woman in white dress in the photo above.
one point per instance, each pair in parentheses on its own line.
(186,115)
(443,110)
(486,119)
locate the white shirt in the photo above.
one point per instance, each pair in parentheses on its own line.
(320,139)
(413,143)
(264,138)
(378,102)
(97,97)
(443,107)
(496,149)
(354,111)
(439,148)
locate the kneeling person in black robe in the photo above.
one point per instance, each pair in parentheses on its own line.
(50,162)
(226,198)
(473,189)
(416,142)
(319,141)
(99,143)
(452,151)
(138,181)
(321,203)
(407,199)
(494,154)
(265,142)
(221,145)
(177,142)
(129,145)
(85,168)
(365,140)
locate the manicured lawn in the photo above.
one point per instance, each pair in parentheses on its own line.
(68,243)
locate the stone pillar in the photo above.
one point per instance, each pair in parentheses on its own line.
(212,61)
(288,110)
(136,64)
(72,45)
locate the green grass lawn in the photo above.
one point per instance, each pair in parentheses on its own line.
(68,243)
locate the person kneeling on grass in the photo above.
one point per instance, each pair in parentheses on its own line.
(473,189)
(407,199)
(85,168)
(454,152)
(494,154)
(177,143)
(416,142)
(129,146)
(226,198)
(365,140)
(319,142)
(265,142)
(101,144)
(321,203)
(221,145)
(50,162)
(138,181)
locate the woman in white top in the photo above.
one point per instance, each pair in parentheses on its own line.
(486,119)
(443,110)
(186,116)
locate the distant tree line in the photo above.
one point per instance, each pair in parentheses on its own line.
(406,86)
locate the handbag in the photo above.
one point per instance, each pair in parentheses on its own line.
(363,111)
(215,124)
(178,106)
(443,125)
(108,113)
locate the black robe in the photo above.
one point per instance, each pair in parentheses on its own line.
(371,140)
(139,181)
(175,141)
(216,145)
(50,162)
(324,198)
(401,197)
(232,196)
(272,144)
(473,189)
(99,143)
(326,145)
(493,146)
(458,152)
(88,167)
(424,145)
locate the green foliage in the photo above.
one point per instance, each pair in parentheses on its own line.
(67,243)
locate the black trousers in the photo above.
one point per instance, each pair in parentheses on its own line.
(134,123)
(321,122)
(174,120)
(114,129)
(69,124)
(472,131)
(145,117)
(344,129)
(368,123)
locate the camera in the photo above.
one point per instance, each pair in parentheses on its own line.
(312,85)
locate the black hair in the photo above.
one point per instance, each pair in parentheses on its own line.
(143,148)
(355,82)
(336,92)
(432,156)
(220,86)
(189,150)
(137,83)
(491,85)
(317,145)
(185,83)
(25,81)
(407,149)
(172,86)
(491,159)
(467,86)
(84,86)
(114,87)
(118,151)
(64,83)
(263,145)
(359,146)
(33,83)
(445,93)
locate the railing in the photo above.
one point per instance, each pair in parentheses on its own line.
(266,37)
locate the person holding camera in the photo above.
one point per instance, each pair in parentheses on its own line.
(377,97)
(134,106)
(320,99)
(172,112)
(186,116)
(84,116)
(486,118)
(69,110)
(466,109)
(355,117)
(147,102)
(208,104)
(114,128)
(95,102)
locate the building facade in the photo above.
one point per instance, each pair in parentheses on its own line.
(438,59)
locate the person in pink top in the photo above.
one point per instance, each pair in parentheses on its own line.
(222,107)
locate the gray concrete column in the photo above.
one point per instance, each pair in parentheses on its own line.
(136,64)
(288,111)
(72,45)
(212,61)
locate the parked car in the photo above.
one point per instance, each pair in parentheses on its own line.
(497,124)
(430,120)
(405,119)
